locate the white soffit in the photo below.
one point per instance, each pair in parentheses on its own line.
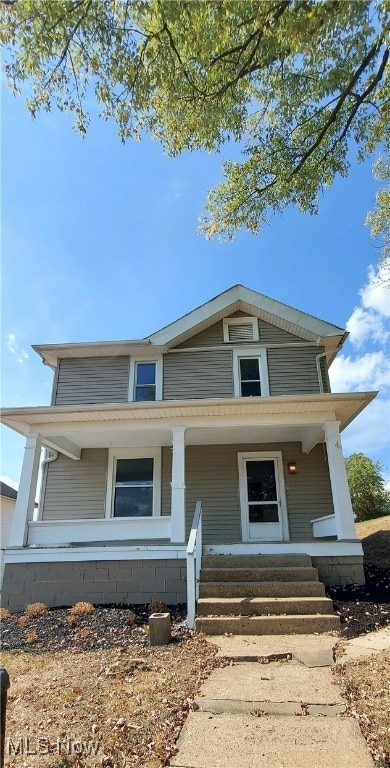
(343,407)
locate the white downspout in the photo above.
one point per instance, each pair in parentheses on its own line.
(319,374)
(47,460)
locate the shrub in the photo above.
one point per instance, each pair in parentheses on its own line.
(82,634)
(36,609)
(32,636)
(80,609)
(157,606)
(23,620)
(131,619)
(5,614)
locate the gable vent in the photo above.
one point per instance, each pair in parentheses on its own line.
(240,332)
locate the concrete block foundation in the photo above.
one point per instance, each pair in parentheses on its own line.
(340,570)
(122,582)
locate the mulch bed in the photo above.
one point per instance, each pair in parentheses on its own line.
(366,608)
(361,609)
(107,627)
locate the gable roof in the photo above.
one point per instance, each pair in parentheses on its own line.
(237,298)
(6,491)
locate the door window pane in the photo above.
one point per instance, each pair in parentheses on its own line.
(261,480)
(145,382)
(263,513)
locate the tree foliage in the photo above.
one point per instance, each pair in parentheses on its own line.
(368,495)
(292,81)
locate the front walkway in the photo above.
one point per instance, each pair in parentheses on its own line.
(276,706)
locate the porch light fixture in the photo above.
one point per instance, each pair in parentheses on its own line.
(292,467)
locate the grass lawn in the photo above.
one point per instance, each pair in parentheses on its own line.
(366,682)
(125,705)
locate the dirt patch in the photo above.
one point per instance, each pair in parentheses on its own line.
(109,708)
(363,608)
(366,687)
(375,538)
(105,627)
(367,608)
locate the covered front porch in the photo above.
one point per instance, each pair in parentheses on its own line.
(200,450)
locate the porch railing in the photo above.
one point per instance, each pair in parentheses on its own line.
(194,563)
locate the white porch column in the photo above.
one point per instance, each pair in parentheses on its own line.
(178,486)
(345,524)
(24,507)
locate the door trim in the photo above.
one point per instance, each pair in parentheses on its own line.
(262,456)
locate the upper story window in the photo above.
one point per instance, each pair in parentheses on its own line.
(250,382)
(145,381)
(145,384)
(240,329)
(250,372)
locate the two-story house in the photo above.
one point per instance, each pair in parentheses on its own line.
(227,412)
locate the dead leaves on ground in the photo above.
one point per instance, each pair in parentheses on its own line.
(366,686)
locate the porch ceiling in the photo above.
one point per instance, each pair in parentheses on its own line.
(120,438)
(228,420)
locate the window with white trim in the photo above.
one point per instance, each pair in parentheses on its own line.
(250,373)
(134,485)
(240,329)
(145,380)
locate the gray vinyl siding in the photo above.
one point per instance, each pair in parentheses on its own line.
(212,477)
(213,336)
(92,380)
(293,371)
(76,490)
(270,334)
(198,375)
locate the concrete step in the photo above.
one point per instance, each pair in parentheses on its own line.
(259,574)
(262,589)
(263,606)
(255,561)
(267,625)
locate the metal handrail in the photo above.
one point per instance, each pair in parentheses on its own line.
(194,563)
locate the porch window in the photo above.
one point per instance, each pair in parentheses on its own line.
(133,495)
(250,374)
(134,485)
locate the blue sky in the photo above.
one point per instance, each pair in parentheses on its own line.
(99,242)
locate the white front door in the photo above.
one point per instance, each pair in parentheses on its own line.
(262,498)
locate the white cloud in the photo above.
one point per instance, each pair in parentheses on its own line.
(370,431)
(14,347)
(365,325)
(376,294)
(369,371)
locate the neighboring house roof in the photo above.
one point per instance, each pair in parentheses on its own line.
(236,298)
(7,492)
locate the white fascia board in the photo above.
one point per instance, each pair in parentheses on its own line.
(235,298)
(51,353)
(38,419)
(313,548)
(78,554)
